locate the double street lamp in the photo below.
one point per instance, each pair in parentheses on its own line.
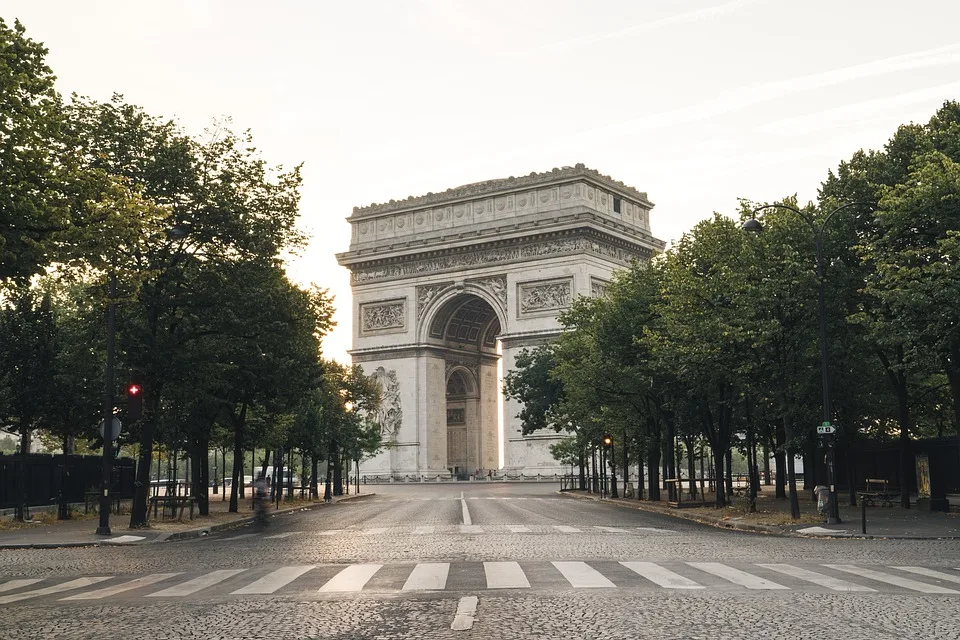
(826,429)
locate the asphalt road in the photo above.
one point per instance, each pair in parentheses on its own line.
(484,561)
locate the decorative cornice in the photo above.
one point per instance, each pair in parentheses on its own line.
(487,187)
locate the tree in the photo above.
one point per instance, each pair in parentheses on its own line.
(32,208)
(27,373)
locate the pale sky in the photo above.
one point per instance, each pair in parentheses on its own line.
(696,102)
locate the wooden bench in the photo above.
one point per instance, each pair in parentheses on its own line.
(878,492)
(173,503)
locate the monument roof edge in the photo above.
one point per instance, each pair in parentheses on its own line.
(488,187)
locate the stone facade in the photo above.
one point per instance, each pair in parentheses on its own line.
(446,285)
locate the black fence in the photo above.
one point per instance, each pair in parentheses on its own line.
(47,475)
(493,477)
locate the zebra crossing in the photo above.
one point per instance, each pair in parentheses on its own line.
(379,500)
(455,529)
(315,580)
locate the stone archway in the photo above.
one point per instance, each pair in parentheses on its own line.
(448,286)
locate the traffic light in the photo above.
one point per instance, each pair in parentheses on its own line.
(134,401)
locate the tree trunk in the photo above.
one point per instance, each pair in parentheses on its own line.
(791,467)
(766,465)
(718,457)
(238,424)
(780,465)
(691,465)
(729,465)
(314,473)
(141,489)
(653,471)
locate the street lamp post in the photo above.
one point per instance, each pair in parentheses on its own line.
(104,526)
(754,226)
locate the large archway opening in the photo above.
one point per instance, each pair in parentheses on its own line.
(464,331)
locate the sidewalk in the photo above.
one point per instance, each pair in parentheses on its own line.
(49,533)
(774,518)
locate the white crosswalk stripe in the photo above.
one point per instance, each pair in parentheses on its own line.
(610,529)
(192,586)
(352,578)
(369,532)
(331,532)
(234,538)
(661,576)
(470,528)
(428,576)
(816,578)
(580,575)
(282,535)
(518,528)
(565,529)
(438,576)
(899,581)
(424,530)
(274,580)
(505,575)
(930,573)
(105,592)
(736,576)
(16,584)
(57,588)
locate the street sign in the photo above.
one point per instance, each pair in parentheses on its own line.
(115,428)
(826,429)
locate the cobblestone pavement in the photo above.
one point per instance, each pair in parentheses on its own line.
(403,563)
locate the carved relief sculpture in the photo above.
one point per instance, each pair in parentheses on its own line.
(545,297)
(389,416)
(496,285)
(426,293)
(378,317)
(598,288)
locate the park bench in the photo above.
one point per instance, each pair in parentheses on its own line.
(878,492)
(173,503)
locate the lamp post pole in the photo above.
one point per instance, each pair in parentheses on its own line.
(104,526)
(754,225)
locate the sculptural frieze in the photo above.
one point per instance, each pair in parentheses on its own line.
(389,414)
(549,296)
(381,316)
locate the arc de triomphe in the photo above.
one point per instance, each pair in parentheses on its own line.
(446,284)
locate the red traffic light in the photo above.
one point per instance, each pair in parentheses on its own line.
(133,390)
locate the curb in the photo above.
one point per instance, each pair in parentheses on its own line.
(172,536)
(753,528)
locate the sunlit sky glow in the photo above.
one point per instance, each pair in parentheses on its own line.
(697,102)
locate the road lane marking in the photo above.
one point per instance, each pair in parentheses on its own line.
(353,578)
(610,529)
(16,584)
(518,528)
(57,588)
(427,576)
(562,528)
(124,539)
(120,588)
(660,576)
(505,575)
(816,578)
(580,575)
(331,532)
(282,535)
(470,528)
(906,583)
(424,530)
(466,609)
(655,530)
(274,580)
(466,512)
(374,532)
(736,576)
(930,573)
(192,586)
